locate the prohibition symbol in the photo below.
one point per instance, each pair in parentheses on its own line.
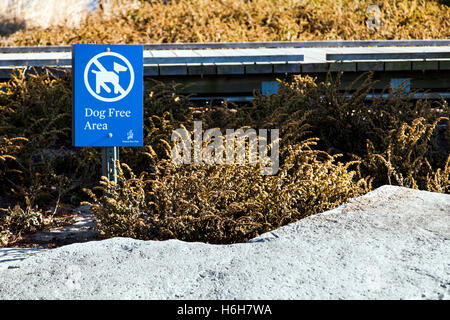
(108,83)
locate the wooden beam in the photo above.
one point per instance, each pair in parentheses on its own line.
(367,66)
(397,65)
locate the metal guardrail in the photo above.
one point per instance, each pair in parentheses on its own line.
(236,69)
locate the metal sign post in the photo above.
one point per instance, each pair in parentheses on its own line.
(109,165)
(107,100)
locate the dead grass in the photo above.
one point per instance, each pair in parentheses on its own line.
(244,20)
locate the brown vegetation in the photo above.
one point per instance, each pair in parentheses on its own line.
(246,20)
(394,141)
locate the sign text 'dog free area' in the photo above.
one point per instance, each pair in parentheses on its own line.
(107,95)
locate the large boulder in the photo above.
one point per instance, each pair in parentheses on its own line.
(392,243)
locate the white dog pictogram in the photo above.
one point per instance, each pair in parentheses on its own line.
(103,76)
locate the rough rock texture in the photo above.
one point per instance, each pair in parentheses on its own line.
(10,256)
(393,243)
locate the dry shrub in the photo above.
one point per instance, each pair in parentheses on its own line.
(37,162)
(8,151)
(395,141)
(16,222)
(405,162)
(41,174)
(37,106)
(164,112)
(439,181)
(44,13)
(222,203)
(243,20)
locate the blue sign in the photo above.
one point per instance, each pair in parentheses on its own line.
(107,95)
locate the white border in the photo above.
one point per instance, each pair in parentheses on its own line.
(86,72)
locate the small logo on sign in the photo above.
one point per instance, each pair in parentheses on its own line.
(110,74)
(130,135)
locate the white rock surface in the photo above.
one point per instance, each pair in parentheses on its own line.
(393,243)
(10,256)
